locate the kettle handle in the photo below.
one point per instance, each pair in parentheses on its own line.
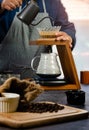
(32,62)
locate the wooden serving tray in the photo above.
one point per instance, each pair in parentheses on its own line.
(26,119)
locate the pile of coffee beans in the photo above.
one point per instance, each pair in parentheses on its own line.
(42,107)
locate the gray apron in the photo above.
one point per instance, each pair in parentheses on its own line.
(15,52)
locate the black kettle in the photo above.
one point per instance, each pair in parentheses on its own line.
(29,12)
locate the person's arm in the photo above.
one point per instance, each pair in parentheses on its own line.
(1,10)
(10,4)
(7,15)
(58,13)
(66,26)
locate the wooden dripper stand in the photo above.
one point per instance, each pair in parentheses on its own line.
(67,63)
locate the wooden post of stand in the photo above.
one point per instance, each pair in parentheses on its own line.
(67,63)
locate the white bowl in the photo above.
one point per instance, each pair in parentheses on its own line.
(9,103)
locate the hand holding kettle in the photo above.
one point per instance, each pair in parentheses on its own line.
(11,4)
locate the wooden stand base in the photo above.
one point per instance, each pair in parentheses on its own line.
(64,87)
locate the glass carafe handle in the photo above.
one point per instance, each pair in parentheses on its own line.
(32,62)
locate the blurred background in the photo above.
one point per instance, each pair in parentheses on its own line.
(78,12)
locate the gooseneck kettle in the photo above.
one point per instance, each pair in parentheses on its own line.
(29,12)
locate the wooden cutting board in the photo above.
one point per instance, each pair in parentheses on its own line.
(26,119)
